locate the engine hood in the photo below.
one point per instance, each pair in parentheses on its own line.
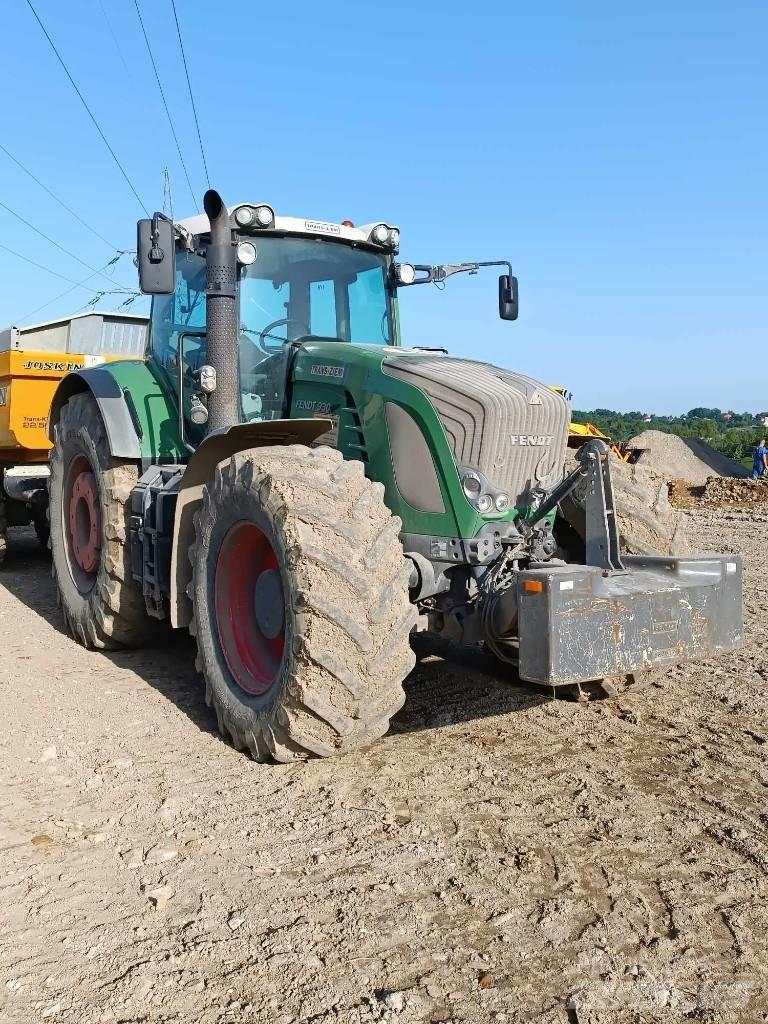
(507,426)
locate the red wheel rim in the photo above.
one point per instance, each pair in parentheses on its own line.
(82,522)
(250,608)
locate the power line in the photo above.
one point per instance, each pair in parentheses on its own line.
(54,196)
(191,96)
(80,284)
(165,104)
(114,37)
(96,124)
(61,247)
(39,266)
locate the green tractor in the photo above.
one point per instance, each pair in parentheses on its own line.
(287,481)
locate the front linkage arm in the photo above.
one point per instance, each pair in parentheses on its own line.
(602,534)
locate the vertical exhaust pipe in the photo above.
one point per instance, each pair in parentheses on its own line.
(221,315)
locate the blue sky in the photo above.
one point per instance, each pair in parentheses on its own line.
(616,153)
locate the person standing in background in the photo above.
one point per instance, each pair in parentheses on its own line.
(760,465)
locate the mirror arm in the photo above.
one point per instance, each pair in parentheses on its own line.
(438,274)
(156,254)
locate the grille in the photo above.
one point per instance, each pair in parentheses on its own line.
(489,415)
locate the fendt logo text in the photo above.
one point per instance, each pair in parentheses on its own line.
(531,440)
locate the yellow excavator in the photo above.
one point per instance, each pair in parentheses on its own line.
(579,433)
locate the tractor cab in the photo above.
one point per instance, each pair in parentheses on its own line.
(297,282)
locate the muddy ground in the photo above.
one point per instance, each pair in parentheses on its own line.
(497,857)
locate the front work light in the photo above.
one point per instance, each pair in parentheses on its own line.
(246,253)
(380,234)
(404,273)
(254,217)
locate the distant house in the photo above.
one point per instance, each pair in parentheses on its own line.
(763,417)
(647,419)
(727,415)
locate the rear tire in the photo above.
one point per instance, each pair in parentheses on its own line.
(89,513)
(296,545)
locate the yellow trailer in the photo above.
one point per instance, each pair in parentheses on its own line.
(32,362)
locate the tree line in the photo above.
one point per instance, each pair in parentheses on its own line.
(732,433)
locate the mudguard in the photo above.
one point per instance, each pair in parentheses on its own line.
(122,432)
(218,447)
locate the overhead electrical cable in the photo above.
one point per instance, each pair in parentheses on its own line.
(114,37)
(39,266)
(191,95)
(80,284)
(96,124)
(165,102)
(60,247)
(54,196)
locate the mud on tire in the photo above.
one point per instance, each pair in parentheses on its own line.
(344,649)
(105,609)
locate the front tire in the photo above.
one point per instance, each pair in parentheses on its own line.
(89,512)
(301,608)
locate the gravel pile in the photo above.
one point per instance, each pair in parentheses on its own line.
(678,458)
(726,491)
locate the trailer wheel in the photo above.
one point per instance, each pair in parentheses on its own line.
(3,529)
(89,493)
(301,608)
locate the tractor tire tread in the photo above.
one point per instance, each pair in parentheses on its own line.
(114,614)
(351,610)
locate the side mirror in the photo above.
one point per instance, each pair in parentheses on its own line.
(508,304)
(156,255)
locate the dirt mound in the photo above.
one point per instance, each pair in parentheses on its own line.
(717,462)
(647,522)
(677,458)
(725,491)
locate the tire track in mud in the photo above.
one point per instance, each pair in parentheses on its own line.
(494,854)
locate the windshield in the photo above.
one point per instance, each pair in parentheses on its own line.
(299,288)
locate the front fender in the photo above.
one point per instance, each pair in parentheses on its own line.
(139,412)
(122,433)
(214,449)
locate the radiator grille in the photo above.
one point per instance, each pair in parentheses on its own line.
(489,415)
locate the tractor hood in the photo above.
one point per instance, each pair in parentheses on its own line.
(506,426)
(510,429)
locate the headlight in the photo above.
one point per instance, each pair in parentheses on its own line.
(264,216)
(380,234)
(245,216)
(404,273)
(471,484)
(484,503)
(246,253)
(502,502)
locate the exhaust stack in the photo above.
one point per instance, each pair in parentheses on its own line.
(221,315)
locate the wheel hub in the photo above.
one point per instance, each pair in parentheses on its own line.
(268,603)
(250,608)
(85,521)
